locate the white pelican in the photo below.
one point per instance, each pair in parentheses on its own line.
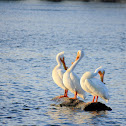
(72,81)
(95,86)
(101,73)
(58,71)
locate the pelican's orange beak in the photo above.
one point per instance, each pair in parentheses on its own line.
(101,75)
(63,62)
(77,57)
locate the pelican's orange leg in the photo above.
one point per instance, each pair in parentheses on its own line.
(75,95)
(97,99)
(61,96)
(93,98)
(65,93)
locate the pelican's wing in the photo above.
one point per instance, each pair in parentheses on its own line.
(60,73)
(97,88)
(75,79)
(58,77)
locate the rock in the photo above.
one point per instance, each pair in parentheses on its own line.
(79,104)
(97,106)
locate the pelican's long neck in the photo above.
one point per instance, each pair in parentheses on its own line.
(59,62)
(73,65)
(97,70)
(95,73)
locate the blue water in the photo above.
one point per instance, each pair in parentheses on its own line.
(31,35)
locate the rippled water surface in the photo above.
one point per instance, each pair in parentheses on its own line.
(31,35)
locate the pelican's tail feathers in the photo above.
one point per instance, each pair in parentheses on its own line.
(83,96)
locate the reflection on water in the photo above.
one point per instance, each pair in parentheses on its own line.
(67,115)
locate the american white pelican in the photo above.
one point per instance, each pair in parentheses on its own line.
(95,86)
(72,81)
(101,73)
(58,71)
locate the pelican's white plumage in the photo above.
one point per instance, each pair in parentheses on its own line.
(58,71)
(71,80)
(93,85)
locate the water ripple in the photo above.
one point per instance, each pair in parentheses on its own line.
(32,34)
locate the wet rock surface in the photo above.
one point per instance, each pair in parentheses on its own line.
(79,104)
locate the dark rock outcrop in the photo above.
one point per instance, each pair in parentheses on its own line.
(79,104)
